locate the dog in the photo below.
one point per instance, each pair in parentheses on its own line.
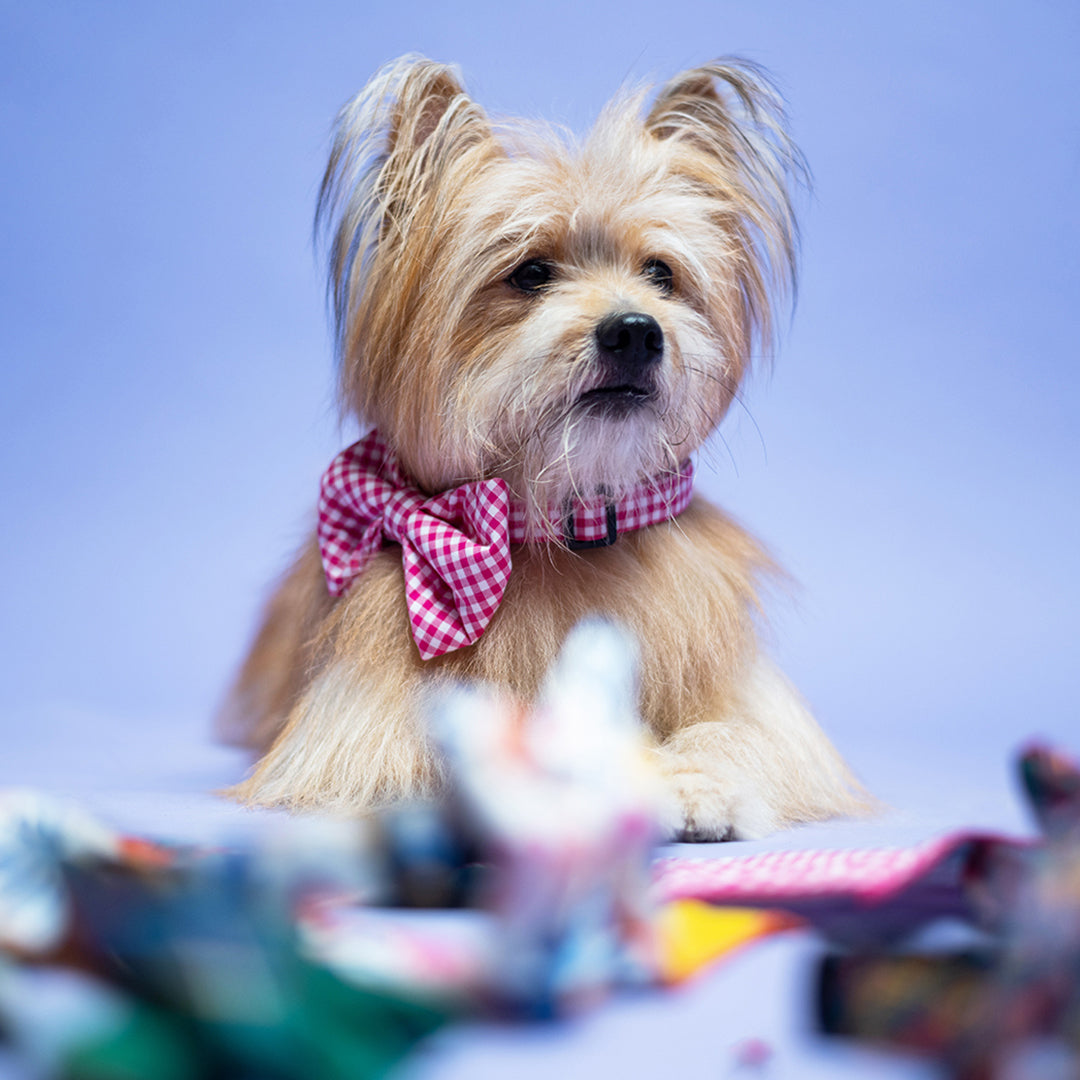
(538,333)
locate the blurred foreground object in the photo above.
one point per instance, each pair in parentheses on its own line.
(1009,1006)
(303,953)
(564,801)
(298,956)
(126,959)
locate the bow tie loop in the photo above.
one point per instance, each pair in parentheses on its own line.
(455,545)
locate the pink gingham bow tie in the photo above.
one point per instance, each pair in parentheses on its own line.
(455,546)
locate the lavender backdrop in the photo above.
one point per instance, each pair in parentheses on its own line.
(165,364)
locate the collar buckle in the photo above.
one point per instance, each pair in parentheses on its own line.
(573,544)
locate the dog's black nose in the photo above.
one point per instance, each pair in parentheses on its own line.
(632,338)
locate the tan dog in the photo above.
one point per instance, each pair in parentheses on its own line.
(572,320)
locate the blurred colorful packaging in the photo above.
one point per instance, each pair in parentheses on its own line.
(292,956)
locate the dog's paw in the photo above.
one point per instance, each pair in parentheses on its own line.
(714,805)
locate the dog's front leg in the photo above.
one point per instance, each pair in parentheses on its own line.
(354,743)
(355,739)
(762,766)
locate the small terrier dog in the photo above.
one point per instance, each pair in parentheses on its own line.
(539,332)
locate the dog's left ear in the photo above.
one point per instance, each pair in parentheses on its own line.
(727,129)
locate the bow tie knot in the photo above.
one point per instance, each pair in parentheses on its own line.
(399,510)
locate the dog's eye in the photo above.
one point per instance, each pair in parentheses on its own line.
(532,276)
(659,273)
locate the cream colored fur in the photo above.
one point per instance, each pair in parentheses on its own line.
(430,208)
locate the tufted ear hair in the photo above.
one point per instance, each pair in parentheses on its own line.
(392,144)
(728,121)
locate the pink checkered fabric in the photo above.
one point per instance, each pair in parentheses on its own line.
(455,546)
(867,875)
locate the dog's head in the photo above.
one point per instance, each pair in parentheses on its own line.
(574,316)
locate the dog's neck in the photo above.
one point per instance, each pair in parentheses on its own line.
(583,523)
(456,545)
(589,520)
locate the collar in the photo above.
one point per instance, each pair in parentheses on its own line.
(456,544)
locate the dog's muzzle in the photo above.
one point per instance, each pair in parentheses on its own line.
(630,346)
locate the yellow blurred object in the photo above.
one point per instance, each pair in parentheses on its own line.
(694,934)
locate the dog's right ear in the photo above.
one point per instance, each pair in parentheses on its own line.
(393,143)
(431,107)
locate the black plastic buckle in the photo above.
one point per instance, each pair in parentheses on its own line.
(573,544)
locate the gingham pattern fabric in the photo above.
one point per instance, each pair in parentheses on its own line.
(455,546)
(866,875)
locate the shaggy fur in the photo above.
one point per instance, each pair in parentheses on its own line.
(431,209)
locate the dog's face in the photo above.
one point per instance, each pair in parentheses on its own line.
(573,318)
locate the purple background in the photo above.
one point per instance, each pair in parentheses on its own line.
(166,412)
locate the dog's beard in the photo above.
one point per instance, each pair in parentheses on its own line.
(586,444)
(592,450)
(566,425)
